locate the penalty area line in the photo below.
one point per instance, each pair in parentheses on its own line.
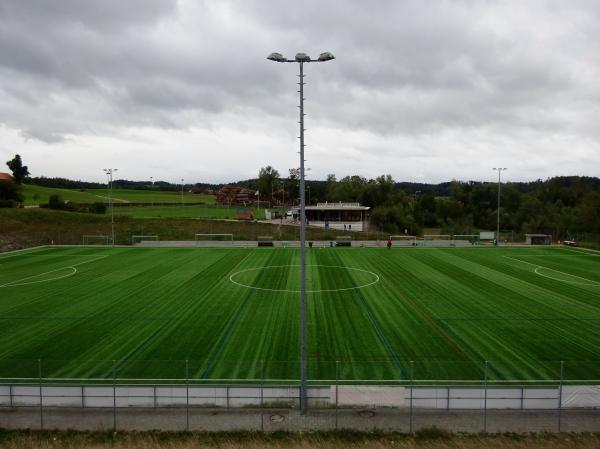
(590,282)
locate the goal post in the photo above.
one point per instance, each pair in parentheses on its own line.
(265,240)
(102,240)
(404,240)
(143,238)
(343,240)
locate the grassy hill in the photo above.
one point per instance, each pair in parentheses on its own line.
(35,195)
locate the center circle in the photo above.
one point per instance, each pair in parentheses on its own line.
(358,277)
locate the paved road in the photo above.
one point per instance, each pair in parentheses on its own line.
(285,419)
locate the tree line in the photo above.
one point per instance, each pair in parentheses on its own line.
(561,206)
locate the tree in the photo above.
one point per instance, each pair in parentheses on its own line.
(10,194)
(292,185)
(19,171)
(268,180)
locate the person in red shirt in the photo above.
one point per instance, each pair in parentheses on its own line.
(389,243)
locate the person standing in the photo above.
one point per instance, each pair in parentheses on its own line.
(389,243)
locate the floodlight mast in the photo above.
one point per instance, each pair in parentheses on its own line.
(301,59)
(109,172)
(499,170)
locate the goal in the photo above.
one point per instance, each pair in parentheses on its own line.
(343,240)
(466,239)
(404,240)
(143,238)
(265,240)
(437,240)
(103,240)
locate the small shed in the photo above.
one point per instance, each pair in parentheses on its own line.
(538,239)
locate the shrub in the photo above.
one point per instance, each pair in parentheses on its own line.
(56,202)
(97,208)
(9,203)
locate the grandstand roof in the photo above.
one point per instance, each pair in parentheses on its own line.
(338,206)
(6,177)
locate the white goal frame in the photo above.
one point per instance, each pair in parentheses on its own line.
(412,239)
(105,238)
(141,238)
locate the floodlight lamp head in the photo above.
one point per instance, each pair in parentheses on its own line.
(327,56)
(302,57)
(277,57)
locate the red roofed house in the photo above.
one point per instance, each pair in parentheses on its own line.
(6,177)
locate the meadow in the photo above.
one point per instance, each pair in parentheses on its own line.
(35,195)
(374,315)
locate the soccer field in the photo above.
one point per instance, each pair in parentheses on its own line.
(429,314)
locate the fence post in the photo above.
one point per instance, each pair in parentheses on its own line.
(485,380)
(114,370)
(187,396)
(337,387)
(10,392)
(560,391)
(262,381)
(41,396)
(412,385)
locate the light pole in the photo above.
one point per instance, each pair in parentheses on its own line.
(109,172)
(152,189)
(499,170)
(181,192)
(301,59)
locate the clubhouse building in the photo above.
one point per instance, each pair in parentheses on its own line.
(341,216)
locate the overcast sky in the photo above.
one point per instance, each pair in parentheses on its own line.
(426,91)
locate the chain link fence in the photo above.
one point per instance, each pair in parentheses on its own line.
(385,395)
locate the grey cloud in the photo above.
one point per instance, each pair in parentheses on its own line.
(405,69)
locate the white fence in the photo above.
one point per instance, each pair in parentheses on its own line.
(328,396)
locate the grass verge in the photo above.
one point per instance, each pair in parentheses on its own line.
(307,440)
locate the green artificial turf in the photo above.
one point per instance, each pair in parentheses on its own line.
(373,314)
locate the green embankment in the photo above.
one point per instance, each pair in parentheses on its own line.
(22,228)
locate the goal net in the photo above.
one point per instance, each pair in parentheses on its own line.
(343,240)
(265,240)
(143,238)
(466,239)
(404,240)
(103,240)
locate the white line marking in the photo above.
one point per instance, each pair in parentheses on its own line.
(589,282)
(19,282)
(307,291)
